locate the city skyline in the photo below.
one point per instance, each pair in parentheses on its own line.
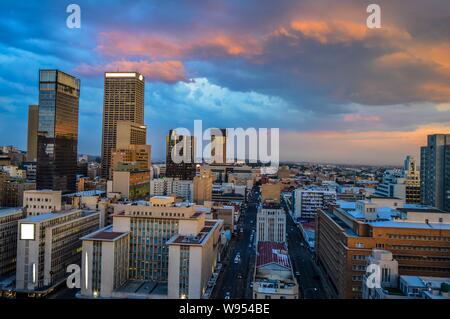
(231,65)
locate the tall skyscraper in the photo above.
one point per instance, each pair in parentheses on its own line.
(123,100)
(184,147)
(57,131)
(219,146)
(33,122)
(435,171)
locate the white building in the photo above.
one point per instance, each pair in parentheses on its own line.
(273,277)
(47,244)
(391,285)
(172,186)
(308,200)
(105,261)
(37,202)
(271,223)
(172,251)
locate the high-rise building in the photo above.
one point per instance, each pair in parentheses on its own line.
(435,171)
(219,146)
(182,164)
(57,131)
(33,123)
(401,183)
(203,186)
(123,101)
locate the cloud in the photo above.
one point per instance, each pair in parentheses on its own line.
(154,46)
(165,71)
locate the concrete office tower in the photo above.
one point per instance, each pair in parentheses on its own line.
(57,131)
(38,202)
(47,244)
(33,123)
(9,218)
(271,223)
(182,147)
(435,171)
(123,101)
(219,146)
(203,186)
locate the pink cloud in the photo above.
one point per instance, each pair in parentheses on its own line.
(163,47)
(166,71)
(361,118)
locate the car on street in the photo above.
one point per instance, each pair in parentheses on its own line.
(239,276)
(297,273)
(227,295)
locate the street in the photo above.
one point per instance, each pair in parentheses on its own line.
(236,278)
(303,263)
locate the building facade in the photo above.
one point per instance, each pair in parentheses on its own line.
(123,101)
(273,277)
(9,218)
(308,201)
(57,131)
(37,202)
(271,223)
(47,244)
(33,123)
(418,238)
(435,171)
(180,156)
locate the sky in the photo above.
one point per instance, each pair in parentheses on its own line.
(338,91)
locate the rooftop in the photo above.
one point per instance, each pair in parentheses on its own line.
(401,224)
(9,211)
(105,234)
(198,239)
(271,252)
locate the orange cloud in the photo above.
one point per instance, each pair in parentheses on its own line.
(153,46)
(166,71)
(330,32)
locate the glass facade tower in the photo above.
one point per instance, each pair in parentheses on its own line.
(57,131)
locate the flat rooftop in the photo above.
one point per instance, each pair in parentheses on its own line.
(9,211)
(198,239)
(400,224)
(105,234)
